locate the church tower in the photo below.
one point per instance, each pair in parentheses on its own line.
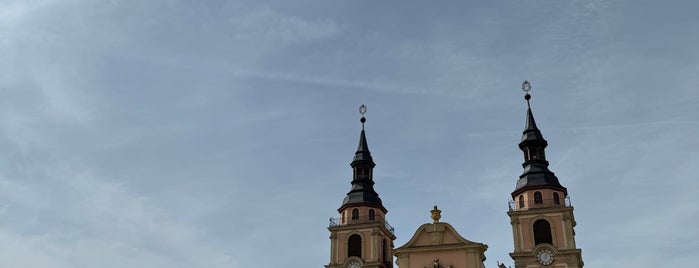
(541,213)
(361,237)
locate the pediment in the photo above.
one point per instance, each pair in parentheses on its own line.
(438,234)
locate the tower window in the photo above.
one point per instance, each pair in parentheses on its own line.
(342,217)
(354,246)
(542,232)
(538,199)
(372,215)
(556,199)
(355,214)
(521,201)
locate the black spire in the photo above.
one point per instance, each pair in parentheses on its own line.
(362,154)
(536,172)
(531,133)
(362,192)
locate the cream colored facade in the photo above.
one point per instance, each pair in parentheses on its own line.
(376,239)
(562,221)
(438,245)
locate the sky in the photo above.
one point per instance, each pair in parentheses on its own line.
(173,133)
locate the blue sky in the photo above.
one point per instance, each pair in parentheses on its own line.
(210,133)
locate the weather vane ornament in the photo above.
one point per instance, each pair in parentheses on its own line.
(526,87)
(362,111)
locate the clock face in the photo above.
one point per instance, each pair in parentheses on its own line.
(545,257)
(354,264)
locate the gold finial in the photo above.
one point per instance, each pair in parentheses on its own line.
(436,214)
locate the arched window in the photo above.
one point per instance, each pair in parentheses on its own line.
(355,214)
(354,246)
(342,217)
(538,199)
(556,199)
(542,232)
(372,215)
(521,201)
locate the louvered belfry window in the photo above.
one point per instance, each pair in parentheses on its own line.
(542,232)
(354,246)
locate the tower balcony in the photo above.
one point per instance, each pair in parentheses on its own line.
(334,222)
(539,204)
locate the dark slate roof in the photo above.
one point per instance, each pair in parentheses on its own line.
(362,154)
(537,175)
(536,172)
(362,192)
(531,133)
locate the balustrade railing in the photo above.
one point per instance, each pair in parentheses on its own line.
(361,220)
(539,204)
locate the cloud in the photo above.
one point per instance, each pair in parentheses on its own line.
(81,221)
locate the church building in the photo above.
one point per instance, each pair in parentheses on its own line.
(540,214)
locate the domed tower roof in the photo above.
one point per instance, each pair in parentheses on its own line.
(362,192)
(536,172)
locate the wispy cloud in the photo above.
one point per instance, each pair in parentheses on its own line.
(80,221)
